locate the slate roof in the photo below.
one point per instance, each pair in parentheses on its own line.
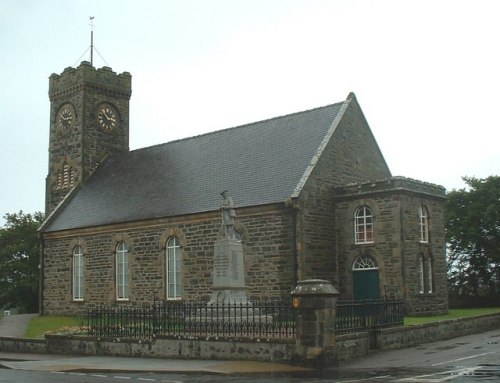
(259,163)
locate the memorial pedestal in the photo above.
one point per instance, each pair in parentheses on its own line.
(228,280)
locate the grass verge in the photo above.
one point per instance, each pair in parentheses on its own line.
(452,314)
(41,325)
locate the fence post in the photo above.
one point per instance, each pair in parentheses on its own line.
(315,300)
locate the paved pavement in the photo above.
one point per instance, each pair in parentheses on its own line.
(65,363)
(15,325)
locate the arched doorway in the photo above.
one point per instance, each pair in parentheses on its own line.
(365,278)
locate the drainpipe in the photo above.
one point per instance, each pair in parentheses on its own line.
(291,204)
(403,254)
(40,273)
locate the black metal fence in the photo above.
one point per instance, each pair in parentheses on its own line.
(256,319)
(370,314)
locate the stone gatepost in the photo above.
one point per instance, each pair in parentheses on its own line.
(315,300)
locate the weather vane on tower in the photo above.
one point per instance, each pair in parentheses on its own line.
(91,40)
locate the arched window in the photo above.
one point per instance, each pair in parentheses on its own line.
(173,269)
(66,172)
(78,277)
(122,272)
(426,275)
(363,225)
(364,262)
(423,216)
(59,180)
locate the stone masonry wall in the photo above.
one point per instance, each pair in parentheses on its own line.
(351,155)
(266,239)
(395,203)
(84,146)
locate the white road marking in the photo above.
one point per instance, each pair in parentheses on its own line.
(460,359)
(362,380)
(434,378)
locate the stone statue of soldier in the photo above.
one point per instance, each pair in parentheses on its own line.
(228,215)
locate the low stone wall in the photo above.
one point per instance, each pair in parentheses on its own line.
(351,346)
(347,347)
(404,337)
(173,347)
(20,345)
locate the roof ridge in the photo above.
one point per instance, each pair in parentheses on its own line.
(237,126)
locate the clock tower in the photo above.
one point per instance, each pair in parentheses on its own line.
(89,120)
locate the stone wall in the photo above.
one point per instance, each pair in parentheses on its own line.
(350,155)
(84,146)
(396,246)
(267,247)
(164,347)
(404,337)
(347,347)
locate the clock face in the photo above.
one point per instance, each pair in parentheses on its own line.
(66,117)
(107,117)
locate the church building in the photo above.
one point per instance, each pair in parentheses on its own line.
(313,198)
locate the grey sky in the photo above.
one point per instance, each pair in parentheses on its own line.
(425,72)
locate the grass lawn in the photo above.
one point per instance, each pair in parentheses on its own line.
(41,325)
(452,314)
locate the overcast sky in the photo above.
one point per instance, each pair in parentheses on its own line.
(426,73)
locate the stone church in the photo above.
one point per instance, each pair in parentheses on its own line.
(313,197)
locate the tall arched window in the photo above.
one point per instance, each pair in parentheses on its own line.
(122,272)
(173,271)
(423,216)
(426,275)
(78,277)
(363,225)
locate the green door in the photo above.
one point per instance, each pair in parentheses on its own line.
(366,284)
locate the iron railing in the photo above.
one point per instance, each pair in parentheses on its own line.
(255,319)
(370,314)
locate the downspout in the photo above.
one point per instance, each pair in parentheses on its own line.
(41,273)
(403,253)
(294,247)
(290,203)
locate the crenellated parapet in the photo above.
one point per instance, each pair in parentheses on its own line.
(86,77)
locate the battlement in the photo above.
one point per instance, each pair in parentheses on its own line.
(391,184)
(86,75)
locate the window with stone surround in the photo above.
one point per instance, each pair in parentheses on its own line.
(173,269)
(363,225)
(78,274)
(122,272)
(426,269)
(423,216)
(364,262)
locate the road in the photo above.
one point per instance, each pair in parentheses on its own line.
(474,358)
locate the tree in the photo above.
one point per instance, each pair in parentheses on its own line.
(473,237)
(19,259)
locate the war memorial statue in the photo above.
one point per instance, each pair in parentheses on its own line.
(228,269)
